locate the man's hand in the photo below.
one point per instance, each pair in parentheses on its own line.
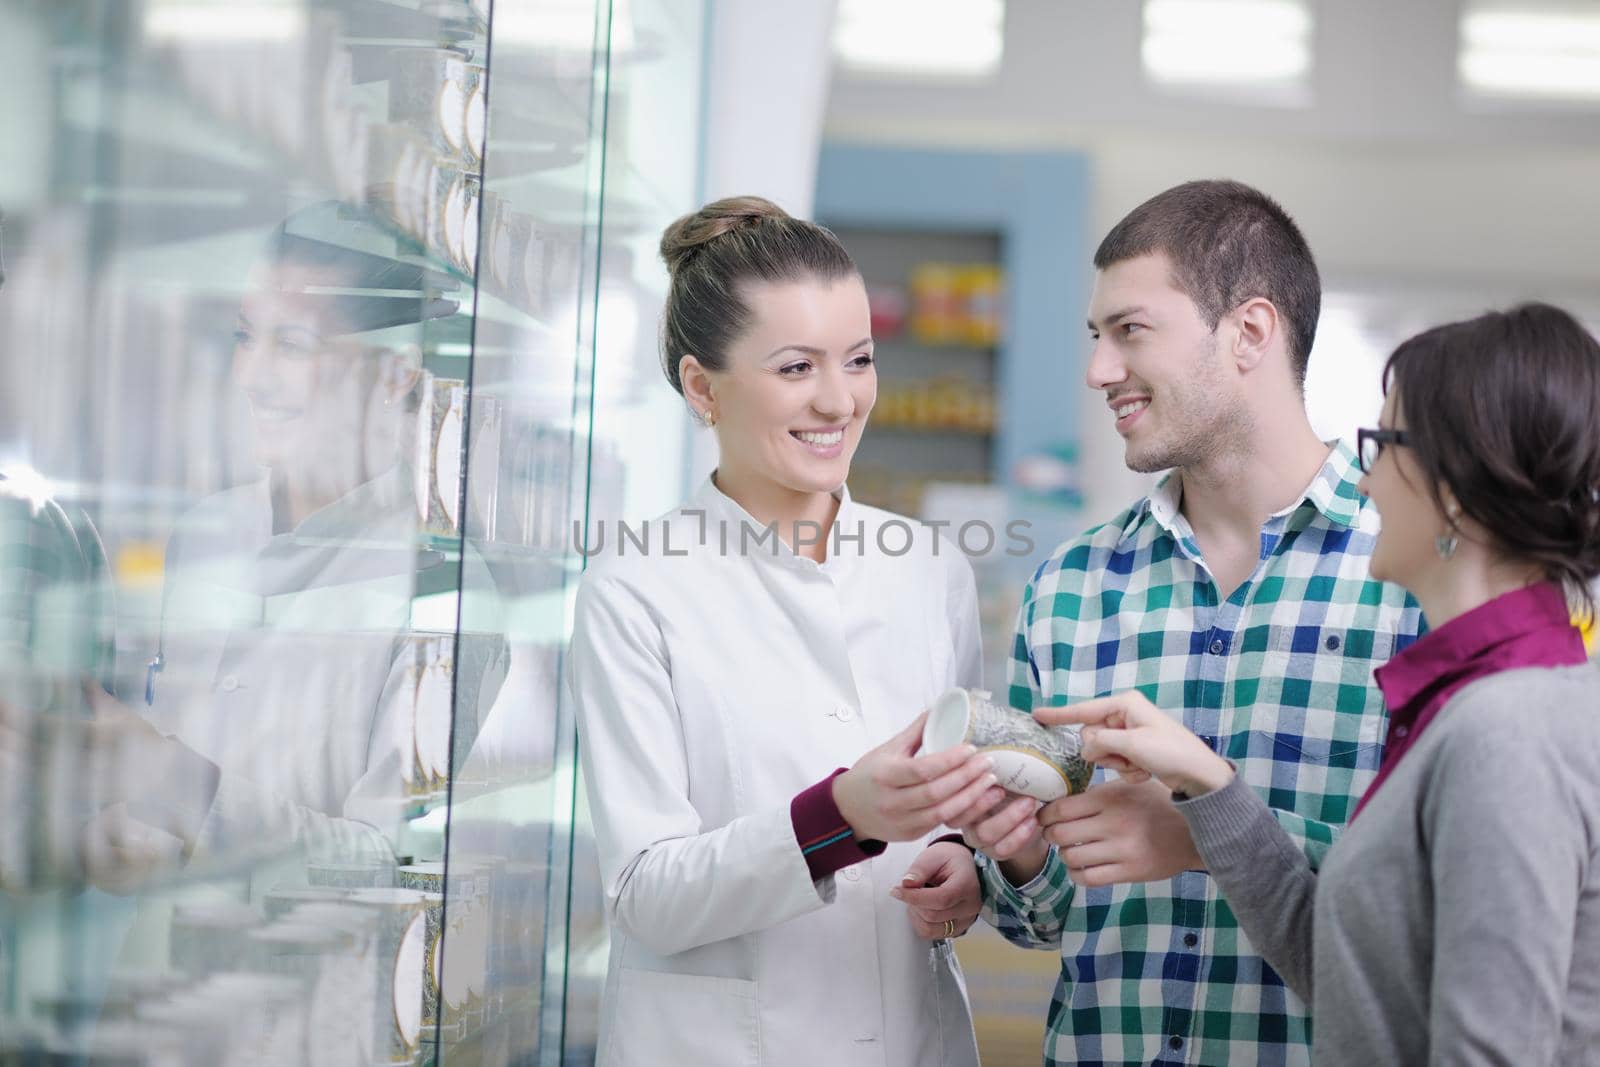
(940,889)
(1007,832)
(892,794)
(1119,832)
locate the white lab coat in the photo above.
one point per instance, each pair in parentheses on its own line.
(285,666)
(711,688)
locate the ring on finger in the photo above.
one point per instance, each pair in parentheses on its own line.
(949,928)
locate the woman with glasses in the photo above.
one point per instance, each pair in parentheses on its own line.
(1457,920)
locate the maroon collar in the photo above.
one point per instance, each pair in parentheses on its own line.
(1530,627)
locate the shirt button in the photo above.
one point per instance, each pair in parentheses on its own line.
(1191,940)
(845,712)
(1216,647)
(1401,731)
(1175,1041)
(230,683)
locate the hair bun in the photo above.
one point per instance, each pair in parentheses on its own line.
(697,229)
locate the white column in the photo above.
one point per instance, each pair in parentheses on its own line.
(768,69)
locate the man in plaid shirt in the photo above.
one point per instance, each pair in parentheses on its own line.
(1235,596)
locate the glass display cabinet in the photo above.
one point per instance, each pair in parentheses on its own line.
(325,326)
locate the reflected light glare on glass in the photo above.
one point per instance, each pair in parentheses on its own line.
(21,480)
(944,38)
(1233,42)
(223,22)
(1520,52)
(616,339)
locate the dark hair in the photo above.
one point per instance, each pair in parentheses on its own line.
(331,238)
(1228,243)
(712,251)
(1504,409)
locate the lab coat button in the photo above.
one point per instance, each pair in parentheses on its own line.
(852,874)
(230,683)
(845,713)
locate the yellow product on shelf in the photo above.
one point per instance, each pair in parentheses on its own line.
(982,291)
(948,397)
(921,407)
(936,303)
(948,403)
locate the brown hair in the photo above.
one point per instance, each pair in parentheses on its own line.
(1504,409)
(711,252)
(1228,243)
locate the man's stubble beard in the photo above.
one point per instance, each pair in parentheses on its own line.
(1207,421)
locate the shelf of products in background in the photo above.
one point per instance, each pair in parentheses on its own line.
(937,301)
(950,404)
(941,304)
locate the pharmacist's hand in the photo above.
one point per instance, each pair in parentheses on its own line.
(1009,833)
(121,753)
(1128,734)
(941,892)
(120,854)
(893,794)
(114,723)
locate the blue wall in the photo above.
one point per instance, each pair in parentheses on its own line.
(1039,204)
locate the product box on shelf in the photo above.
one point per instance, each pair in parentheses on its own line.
(438,462)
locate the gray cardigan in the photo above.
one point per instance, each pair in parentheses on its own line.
(1457,921)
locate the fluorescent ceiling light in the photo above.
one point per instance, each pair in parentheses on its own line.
(223,23)
(562,25)
(1245,43)
(963,39)
(1514,50)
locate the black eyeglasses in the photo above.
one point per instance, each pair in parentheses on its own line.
(1369,445)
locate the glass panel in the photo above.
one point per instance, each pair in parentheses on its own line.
(241,530)
(640,429)
(300,339)
(506,874)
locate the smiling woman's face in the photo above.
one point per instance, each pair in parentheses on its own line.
(299,376)
(800,381)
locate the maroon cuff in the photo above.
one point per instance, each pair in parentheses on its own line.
(956,839)
(826,840)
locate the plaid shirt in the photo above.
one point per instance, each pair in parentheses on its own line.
(1278,679)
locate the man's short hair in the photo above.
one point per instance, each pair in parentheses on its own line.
(1228,243)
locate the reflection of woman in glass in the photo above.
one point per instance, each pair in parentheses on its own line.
(1457,920)
(284,682)
(751,887)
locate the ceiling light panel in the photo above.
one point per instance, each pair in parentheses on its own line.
(1231,44)
(1530,51)
(937,39)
